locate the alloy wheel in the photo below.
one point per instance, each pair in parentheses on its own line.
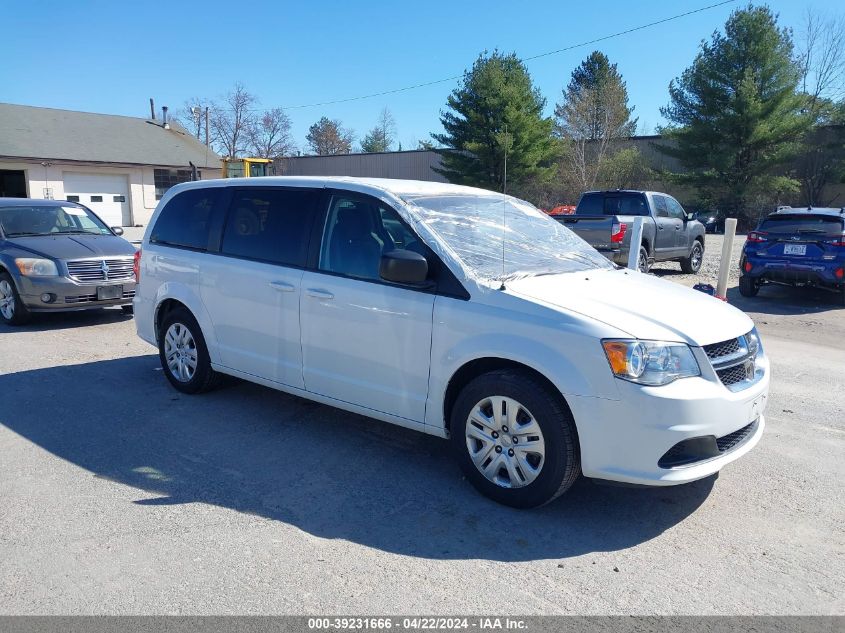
(505,442)
(7,300)
(180,352)
(695,258)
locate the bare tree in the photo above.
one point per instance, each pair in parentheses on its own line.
(328,137)
(232,121)
(821,54)
(382,136)
(270,135)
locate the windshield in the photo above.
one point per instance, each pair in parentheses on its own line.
(500,238)
(20,221)
(821,224)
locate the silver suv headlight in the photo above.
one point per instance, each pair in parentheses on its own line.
(34,267)
(650,363)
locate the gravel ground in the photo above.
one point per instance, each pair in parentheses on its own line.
(709,272)
(120,496)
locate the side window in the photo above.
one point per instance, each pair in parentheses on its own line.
(660,209)
(356,234)
(186,219)
(271,225)
(591,204)
(675,209)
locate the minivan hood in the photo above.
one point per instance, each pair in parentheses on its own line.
(642,305)
(74,246)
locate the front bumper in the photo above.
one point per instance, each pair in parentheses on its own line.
(624,440)
(68,295)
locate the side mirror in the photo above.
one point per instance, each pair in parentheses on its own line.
(117,230)
(689,217)
(403,267)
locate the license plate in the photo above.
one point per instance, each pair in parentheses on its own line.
(795,249)
(105,293)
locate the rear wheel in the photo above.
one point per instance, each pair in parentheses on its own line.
(12,309)
(515,439)
(748,287)
(692,264)
(183,353)
(642,260)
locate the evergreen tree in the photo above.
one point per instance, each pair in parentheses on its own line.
(381,137)
(736,116)
(495,111)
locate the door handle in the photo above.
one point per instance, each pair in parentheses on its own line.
(281,286)
(319,294)
(678,228)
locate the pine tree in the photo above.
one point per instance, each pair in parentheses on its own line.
(496,110)
(736,115)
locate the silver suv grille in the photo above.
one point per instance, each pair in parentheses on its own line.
(92,270)
(733,361)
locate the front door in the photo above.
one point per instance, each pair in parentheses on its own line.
(365,341)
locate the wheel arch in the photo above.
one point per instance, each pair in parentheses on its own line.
(171,296)
(472,369)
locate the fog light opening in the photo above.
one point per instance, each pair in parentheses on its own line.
(48,297)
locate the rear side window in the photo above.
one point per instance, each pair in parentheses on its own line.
(271,225)
(591,204)
(186,219)
(810,224)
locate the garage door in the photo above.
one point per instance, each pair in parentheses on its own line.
(107,195)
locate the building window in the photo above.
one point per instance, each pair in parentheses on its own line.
(96,198)
(119,198)
(167,178)
(73,198)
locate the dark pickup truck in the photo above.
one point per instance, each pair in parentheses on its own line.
(605,219)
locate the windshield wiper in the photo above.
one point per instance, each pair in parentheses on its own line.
(25,234)
(79,232)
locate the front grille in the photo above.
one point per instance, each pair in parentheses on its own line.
(733,375)
(698,449)
(93,270)
(727,442)
(127,294)
(725,348)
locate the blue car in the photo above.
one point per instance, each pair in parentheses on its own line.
(796,247)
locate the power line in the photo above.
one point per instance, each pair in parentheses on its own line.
(525,59)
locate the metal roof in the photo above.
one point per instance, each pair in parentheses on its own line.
(29,132)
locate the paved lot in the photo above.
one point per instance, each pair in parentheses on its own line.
(118,495)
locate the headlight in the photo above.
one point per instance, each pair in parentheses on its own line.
(752,339)
(32,267)
(650,362)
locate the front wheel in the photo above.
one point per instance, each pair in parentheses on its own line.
(515,439)
(183,353)
(12,309)
(692,264)
(748,287)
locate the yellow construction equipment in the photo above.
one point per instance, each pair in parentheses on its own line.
(247,167)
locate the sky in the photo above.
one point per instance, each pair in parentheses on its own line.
(112,56)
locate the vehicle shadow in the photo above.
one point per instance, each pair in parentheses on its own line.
(330,473)
(46,321)
(783,300)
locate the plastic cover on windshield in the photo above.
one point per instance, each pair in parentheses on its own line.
(497,238)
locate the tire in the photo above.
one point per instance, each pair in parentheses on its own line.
(748,287)
(12,309)
(130,309)
(642,261)
(692,264)
(531,478)
(180,328)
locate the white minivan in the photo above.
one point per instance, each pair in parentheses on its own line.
(454,311)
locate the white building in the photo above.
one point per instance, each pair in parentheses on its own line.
(117,166)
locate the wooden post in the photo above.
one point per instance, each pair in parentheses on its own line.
(635,243)
(727,251)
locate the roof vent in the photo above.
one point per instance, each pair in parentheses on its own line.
(164,118)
